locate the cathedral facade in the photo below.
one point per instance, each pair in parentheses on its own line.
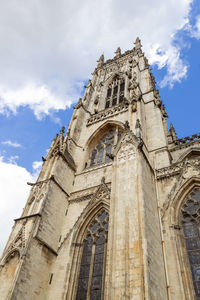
(115,212)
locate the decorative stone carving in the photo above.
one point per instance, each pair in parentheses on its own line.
(126,152)
(127,149)
(102,194)
(186,170)
(81,198)
(146,63)
(138,128)
(168,171)
(18,244)
(100,61)
(109,112)
(38,192)
(118,52)
(152,81)
(165,115)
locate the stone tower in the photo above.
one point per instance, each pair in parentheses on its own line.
(115,211)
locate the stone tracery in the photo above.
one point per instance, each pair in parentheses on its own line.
(190,220)
(90,280)
(102,152)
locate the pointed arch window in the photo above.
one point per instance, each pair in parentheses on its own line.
(105,146)
(190,219)
(91,274)
(115,92)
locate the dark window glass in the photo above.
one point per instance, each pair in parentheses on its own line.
(108,151)
(98,267)
(84,270)
(114,102)
(115,94)
(107,104)
(121,98)
(190,224)
(122,87)
(92,262)
(115,90)
(93,158)
(106,143)
(109,92)
(100,157)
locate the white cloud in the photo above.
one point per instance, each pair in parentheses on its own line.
(12,144)
(12,159)
(37,165)
(195,30)
(49,48)
(14,192)
(39,98)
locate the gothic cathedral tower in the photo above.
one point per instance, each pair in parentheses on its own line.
(115,212)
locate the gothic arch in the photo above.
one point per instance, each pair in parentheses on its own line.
(174,217)
(178,198)
(9,255)
(8,272)
(99,203)
(112,76)
(188,153)
(101,129)
(99,136)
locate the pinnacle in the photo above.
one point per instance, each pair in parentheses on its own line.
(118,52)
(138,43)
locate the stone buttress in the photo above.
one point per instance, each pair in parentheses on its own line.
(99,221)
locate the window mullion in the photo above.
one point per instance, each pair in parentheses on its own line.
(111,94)
(91,271)
(118,91)
(104,153)
(104,269)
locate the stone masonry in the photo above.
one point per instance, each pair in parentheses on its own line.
(117,158)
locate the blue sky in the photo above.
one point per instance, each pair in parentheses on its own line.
(49,50)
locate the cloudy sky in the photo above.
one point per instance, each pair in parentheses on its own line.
(49,50)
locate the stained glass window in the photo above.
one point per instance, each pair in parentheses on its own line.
(103,150)
(190,218)
(115,92)
(91,274)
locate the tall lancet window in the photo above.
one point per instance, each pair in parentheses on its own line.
(115,92)
(92,273)
(190,217)
(101,153)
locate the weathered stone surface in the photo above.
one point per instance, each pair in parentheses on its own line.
(140,174)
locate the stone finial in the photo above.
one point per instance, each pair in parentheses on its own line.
(173,133)
(138,128)
(165,115)
(103,179)
(62,130)
(100,61)
(137,125)
(118,52)
(126,125)
(137,43)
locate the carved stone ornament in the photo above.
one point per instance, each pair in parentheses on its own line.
(127,147)
(109,112)
(102,194)
(18,244)
(185,170)
(126,152)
